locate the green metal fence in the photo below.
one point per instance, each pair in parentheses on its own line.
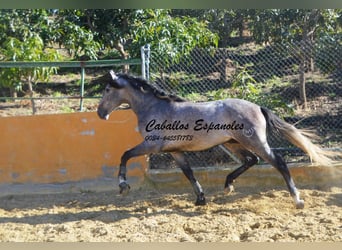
(69,64)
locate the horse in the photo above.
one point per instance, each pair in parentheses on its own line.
(168,123)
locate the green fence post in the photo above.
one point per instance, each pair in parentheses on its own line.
(82,88)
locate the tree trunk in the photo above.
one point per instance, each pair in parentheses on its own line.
(306,51)
(124,55)
(224,34)
(312,61)
(13,92)
(33,104)
(312,65)
(223,67)
(302,92)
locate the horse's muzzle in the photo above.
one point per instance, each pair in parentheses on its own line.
(102,114)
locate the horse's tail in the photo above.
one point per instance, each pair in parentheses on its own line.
(299,138)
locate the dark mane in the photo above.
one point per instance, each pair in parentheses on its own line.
(143,86)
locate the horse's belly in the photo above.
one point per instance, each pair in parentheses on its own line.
(194,141)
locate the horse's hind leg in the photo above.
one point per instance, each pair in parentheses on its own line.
(277,161)
(184,165)
(248,159)
(283,169)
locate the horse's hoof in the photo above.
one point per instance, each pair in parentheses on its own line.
(124,188)
(300,204)
(230,189)
(200,201)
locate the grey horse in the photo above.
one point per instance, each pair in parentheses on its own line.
(170,124)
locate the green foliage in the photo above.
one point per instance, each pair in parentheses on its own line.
(227,23)
(288,25)
(21,23)
(301,26)
(172,38)
(78,41)
(331,45)
(23,37)
(106,25)
(32,49)
(244,86)
(26,34)
(77,38)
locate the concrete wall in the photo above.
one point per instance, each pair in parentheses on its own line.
(67,148)
(59,153)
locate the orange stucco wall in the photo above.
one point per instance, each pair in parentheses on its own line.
(68,147)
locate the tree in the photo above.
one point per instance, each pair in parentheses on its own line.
(329,41)
(329,45)
(171,38)
(32,49)
(32,34)
(296,26)
(228,23)
(94,30)
(126,30)
(21,41)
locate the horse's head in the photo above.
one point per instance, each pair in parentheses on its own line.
(112,96)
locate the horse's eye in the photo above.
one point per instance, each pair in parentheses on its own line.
(107,90)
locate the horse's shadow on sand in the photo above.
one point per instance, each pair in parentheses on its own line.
(103,206)
(110,207)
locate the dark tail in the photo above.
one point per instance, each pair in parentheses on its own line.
(299,138)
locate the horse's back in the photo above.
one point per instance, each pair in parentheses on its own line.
(240,104)
(230,108)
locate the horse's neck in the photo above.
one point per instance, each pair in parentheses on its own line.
(141,103)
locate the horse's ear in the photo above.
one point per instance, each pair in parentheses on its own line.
(114,80)
(113,75)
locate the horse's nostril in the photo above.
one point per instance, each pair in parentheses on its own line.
(102,114)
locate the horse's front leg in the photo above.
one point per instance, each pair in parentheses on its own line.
(141,149)
(184,165)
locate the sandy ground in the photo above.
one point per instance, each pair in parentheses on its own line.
(148,214)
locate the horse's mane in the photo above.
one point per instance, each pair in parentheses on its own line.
(143,86)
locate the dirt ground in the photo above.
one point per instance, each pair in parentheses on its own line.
(149,214)
(158,215)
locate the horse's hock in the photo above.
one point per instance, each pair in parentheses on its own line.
(75,152)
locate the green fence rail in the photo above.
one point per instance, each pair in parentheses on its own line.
(70,64)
